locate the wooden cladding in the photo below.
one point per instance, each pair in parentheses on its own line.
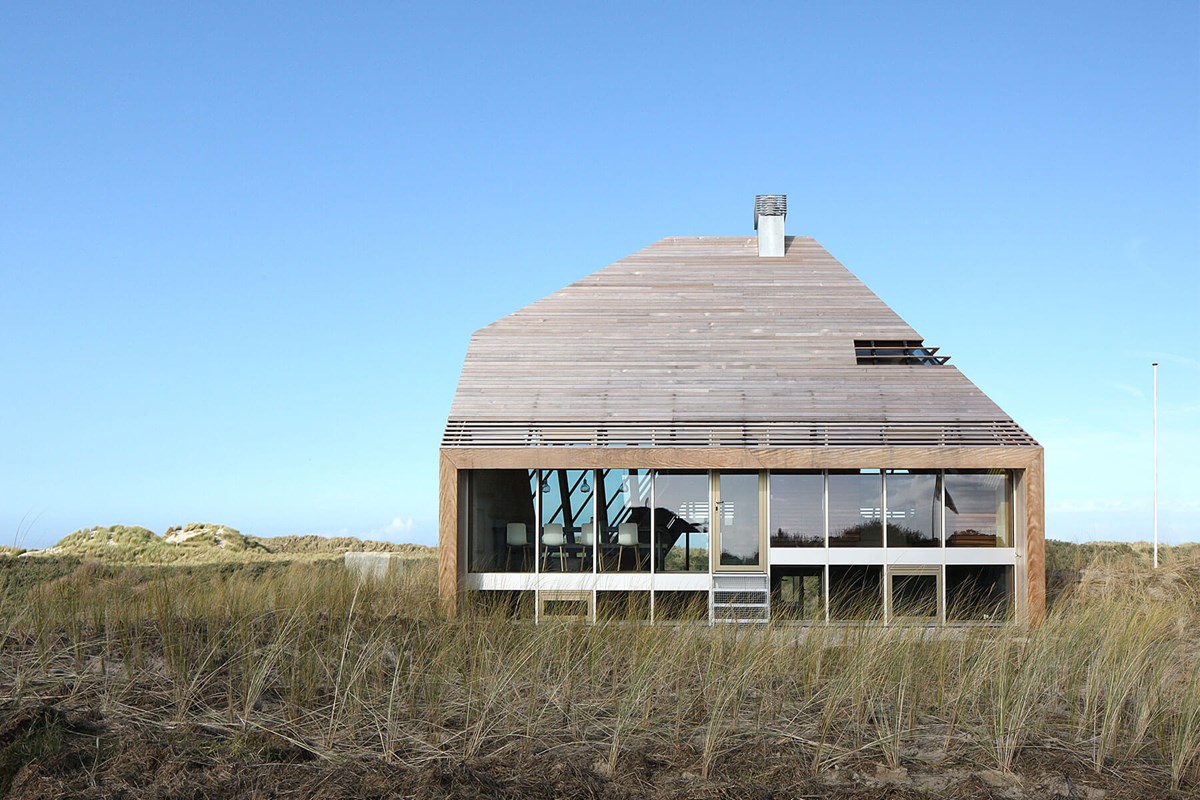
(702,329)
(478,433)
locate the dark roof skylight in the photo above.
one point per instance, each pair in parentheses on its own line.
(897,351)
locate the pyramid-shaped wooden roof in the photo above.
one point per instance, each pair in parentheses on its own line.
(699,337)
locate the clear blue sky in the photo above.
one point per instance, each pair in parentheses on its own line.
(242,250)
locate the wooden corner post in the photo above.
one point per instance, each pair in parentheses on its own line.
(448,535)
(1035,539)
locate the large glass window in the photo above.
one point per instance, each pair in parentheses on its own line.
(915,593)
(623,496)
(739,520)
(681,521)
(501,530)
(980,592)
(855,508)
(914,511)
(567,520)
(798,593)
(979,508)
(797,509)
(856,592)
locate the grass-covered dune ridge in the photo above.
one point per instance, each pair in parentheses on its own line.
(199,542)
(176,682)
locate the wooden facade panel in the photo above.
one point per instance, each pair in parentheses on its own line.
(1035,540)
(448,566)
(744,458)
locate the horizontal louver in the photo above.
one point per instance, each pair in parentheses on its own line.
(997,433)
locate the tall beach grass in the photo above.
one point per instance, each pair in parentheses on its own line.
(339,668)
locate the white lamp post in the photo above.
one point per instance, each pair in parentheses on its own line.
(1155,366)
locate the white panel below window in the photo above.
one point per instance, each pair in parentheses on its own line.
(981,555)
(856,555)
(796,556)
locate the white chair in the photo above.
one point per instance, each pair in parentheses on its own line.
(587,538)
(627,536)
(518,539)
(553,539)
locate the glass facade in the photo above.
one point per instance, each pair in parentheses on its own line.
(916,594)
(981,593)
(914,508)
(738,520)
(855,508)
(797,509)
(566,519)
(501,526)
(546,520)
(856,593)
(702,522)
(979,508)
(798,593)
(623,496)
(681,521)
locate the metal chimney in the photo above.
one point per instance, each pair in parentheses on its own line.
(770,210)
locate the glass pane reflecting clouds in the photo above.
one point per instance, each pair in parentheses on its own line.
(681,519)
(979,508)
(913,508)
(855,507)
(797,509)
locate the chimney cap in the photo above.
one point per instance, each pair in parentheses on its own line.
(769,205)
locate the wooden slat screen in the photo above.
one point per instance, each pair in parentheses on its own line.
(474,433)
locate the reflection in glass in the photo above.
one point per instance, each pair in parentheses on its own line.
(855,501)
(914,596)
(500,520)
(681,521)
(856,592)
(979,508)
(797,509)
(738,510)
(798,593)
(566,520)
(913,508)
(623,495)
(980,592)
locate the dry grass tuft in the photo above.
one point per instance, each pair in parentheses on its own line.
(307,664)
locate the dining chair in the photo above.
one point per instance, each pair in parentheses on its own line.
(587,540)
(518,539)
(553,539)
(627,536)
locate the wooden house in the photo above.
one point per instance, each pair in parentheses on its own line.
(733,427)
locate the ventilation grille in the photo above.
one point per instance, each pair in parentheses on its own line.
(988,433)
(740,598)
(907,352)
(769,205)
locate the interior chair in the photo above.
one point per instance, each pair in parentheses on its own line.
(518,539)
(587,538)
(554,542)
(627,536)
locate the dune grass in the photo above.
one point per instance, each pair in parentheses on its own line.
(339,668)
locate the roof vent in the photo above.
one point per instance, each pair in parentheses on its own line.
(770,210)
